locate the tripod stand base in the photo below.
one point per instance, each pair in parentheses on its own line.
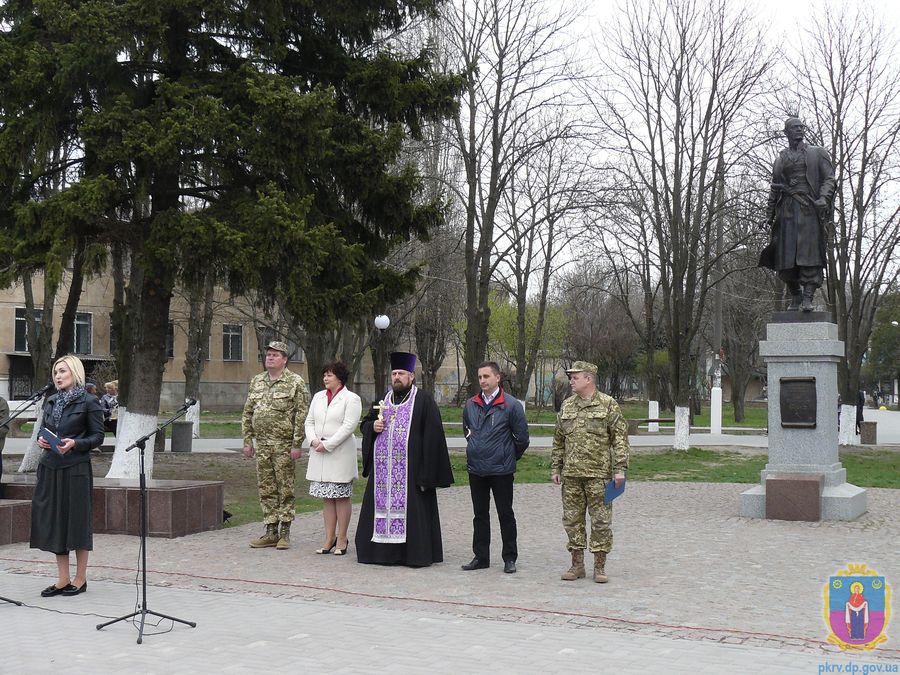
(143,614)
(14,602)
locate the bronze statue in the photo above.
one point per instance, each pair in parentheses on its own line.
(799,206)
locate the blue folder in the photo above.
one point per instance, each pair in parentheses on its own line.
(51,438)
(611,491)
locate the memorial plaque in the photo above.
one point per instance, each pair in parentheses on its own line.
(798,402)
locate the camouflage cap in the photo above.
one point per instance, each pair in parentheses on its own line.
(582,367)
(279,346)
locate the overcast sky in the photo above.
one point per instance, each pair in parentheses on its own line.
(781,14)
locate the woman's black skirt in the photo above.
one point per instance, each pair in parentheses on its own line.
(61,509)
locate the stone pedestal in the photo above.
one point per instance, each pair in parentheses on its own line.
(182,436)
(175,508)
(715,410)
(868,433)
(653,414)
(802,352)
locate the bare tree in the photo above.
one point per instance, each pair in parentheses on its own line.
(545,206)
(599,329)
(852,92)
(513,55)
(672,105)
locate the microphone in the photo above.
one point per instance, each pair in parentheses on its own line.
(43,390)
(188,402)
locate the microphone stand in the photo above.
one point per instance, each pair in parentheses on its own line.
(22,408)
(143,611)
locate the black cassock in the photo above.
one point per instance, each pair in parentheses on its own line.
(428,465)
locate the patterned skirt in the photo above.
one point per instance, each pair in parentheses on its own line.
(327,490)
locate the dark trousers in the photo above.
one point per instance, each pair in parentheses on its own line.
(798,277)
(481,488)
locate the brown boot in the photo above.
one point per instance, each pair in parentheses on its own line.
(284,541)
(576,571)
(599,565)
(270,538)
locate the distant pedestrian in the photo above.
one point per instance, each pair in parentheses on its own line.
(4,429)
(110,403)
(860,404)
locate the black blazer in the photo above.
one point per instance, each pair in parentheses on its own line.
(82,420)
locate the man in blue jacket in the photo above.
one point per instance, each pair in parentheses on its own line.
(496,437)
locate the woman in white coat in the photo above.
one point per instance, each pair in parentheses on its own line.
(333,416)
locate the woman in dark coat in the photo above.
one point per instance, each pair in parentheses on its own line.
(61,507)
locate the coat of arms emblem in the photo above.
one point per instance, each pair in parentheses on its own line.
(857,608)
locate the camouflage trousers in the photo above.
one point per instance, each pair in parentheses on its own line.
(580,495)
(275,477)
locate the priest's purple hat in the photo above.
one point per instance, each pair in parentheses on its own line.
(403,361)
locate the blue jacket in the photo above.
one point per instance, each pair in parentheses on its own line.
(496,435)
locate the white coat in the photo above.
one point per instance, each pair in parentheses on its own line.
(334,424)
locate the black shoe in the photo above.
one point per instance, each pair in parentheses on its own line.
(50,591)
(323,551)
(72,590)
(476,564)
(509,567)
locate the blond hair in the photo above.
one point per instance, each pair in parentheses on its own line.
(114,384)
(75,366)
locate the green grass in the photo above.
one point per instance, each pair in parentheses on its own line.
(873,468)
(227,424)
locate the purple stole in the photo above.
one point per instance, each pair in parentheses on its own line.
(391,470)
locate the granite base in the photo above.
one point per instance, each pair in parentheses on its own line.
(175,508)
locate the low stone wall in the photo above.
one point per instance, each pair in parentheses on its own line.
(15,521)
(174,507)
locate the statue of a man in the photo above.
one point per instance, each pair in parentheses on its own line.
(799,206)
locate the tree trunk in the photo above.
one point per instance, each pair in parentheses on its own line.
(40,334)
(200,301)
(33,451)
(65,343)
(145,378)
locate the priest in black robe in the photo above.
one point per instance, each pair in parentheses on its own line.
(405,459)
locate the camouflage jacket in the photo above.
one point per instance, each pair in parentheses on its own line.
(585,431)
(275,410)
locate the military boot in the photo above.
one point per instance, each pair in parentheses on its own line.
(795,301)
(270,538)
(284,541)
(599,565)
(576,571)
(808,293)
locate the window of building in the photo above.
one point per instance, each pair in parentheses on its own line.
(170,340)
(232,342)
(84,339)
(21,342)
(112,338)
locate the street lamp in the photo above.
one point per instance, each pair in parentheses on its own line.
(895,324)
(382,321)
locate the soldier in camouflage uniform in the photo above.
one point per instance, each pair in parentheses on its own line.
(590,447)
(274,415)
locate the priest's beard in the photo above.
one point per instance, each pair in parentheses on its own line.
(400,392)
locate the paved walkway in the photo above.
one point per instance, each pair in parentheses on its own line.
(694,589)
